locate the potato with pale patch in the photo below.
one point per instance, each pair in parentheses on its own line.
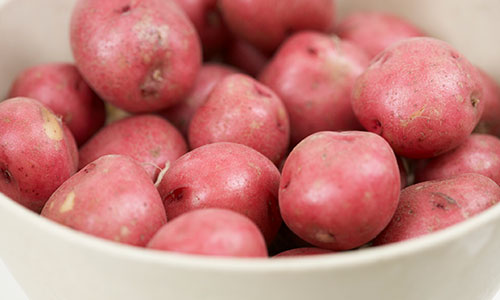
(338,190)
(210,74)
(37,152)
(421,95)
(149,139)
(60,87)
(224,175)
(374,31)
(111,198)
(213,232)
(244,111)
(313,74)
(265,24)
(141,56)
(434,205)
(479,154)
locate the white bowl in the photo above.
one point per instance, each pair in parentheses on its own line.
(52,262)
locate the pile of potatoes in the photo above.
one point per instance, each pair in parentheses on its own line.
(251,128)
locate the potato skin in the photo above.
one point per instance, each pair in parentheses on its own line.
(490,121)
(60,87)
(434,205)
(149,139)
(265,24)
(421,95)
(242,110)
(141,56)
(210,74)
(375,31)
(111,198)
(479,154)
(208,22)
(313,74)
(37,152)
(211,231)
(224,175)
(338,190)
(303,252)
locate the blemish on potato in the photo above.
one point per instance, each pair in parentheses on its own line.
(255,125)
(325,237)
(124,231)
(6,175)
(6,120)
(68,203)
(51,125)
(147,31)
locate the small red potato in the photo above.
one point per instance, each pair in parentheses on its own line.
(208,22)
(434,205)
(375,31)
(210,74)
(37,152)
(479,154)
(149,139)
(246,57)
(421,95)
(303,252)
(338,190)
(490,121)
(61,88)
(313,74)
(112,198)
(242,110)
(141,56)
(224,175)
(265,24)
(211,231)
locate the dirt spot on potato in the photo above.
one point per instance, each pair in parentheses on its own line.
(153,82)
(51,125)
(325,237)
(176,195)
(474,99)
(312,51)
(123,10)
(6,175)
(376,127)
(68,203)
(124,231)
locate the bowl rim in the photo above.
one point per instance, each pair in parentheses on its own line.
(341,260)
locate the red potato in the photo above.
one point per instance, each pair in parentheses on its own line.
(224,175)
(313,74)
(490,121)
(480,154)
(208,22)
(141,56)
(265,24)
(111,198)
(375,31)
(241,110)
(338,190)
(214,232)
(303,252)
(61,88)
(210,74)
(421,95)
(37,152)
(149,139)
(434,205)
(246,57)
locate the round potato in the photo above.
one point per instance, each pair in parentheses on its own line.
(37,152)
(211,231)
(224,175)
(421,95)
(141,56)
(338,190)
